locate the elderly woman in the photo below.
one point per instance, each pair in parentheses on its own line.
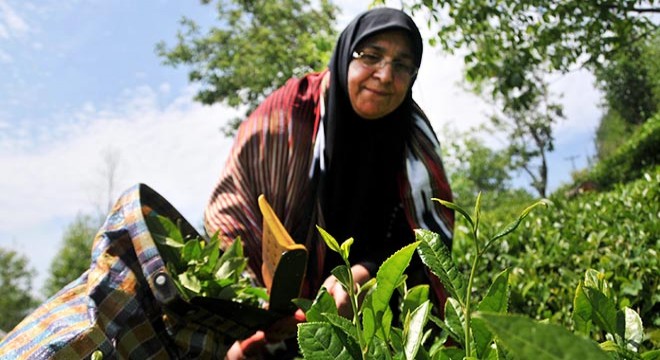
(347,149)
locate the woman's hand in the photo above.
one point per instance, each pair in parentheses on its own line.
(334,287)
(253,346)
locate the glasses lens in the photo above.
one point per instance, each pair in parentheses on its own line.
(376,61)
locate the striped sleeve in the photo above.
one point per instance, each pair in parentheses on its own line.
(271,155)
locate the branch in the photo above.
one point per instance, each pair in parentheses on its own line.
(637,10)
(646,10)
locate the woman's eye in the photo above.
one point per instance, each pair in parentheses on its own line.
(371,58)
(401,67)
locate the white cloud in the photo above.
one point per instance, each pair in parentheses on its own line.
(177,149)
(10,22)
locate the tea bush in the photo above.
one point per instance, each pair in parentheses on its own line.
(630,160)
(615,232)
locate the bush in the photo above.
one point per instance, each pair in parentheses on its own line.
(616,233)
(631,159)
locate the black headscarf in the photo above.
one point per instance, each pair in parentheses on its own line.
(364,158)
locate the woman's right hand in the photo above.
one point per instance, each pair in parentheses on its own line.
(337,291)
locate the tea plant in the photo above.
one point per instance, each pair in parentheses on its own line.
(482,330)
(200,269)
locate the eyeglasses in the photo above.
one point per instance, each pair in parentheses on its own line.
(375,61)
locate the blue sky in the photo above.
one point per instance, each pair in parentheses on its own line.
(80,81)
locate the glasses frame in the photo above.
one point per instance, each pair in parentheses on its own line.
(359,55)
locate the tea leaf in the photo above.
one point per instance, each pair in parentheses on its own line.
(527,339)
(512,226)
(454,319)
(164,231)
(603,309)
(190,282)
(344,324)
(477,213)
(414,298)
(415,329)
(191,252)
(387,279)
(455,207)
(596,280)
(345,248)
(303,303)
(329,240)
(437,257)
(343,276)
(633,333)
(618,352)
(496,300)
(320,340)
(366,286)
(378,350)
(323,304)
(582,311)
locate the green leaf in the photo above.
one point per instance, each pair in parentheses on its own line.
(454,319)
(618,352)
(329,240)
(582,311)
(512,226)
(190,282)
(343,276)
(413,298)
(320,340)
(437,257)
(303,303)
(387,280)
(343,323)
(450,354)
(366,286)
(414,329)
(455,207)
(323,304)
(603,309)
(164,231)
(477,212)
(210,255)
(633,333)
(651,355)
(596,280)
(231,268)
(378,350)
(496,301)
(527,339)
(345,248)
(191,252)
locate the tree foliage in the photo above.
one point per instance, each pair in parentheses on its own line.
(15,285)
(474,167)
(74,255)
(256,47)
(631,82)
(507,41)
(510,46)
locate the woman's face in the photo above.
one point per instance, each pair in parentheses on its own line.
(376,91)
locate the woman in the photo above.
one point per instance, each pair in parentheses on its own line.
(346,149)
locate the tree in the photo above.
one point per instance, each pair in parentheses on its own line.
(16,277)
(257,47)
(511,46)
(508,41)
(631,81)
(476,168)
(74,256)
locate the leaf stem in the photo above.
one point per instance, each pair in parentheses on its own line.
(466,325)
(354,305)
